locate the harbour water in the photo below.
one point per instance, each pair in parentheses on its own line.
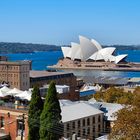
(40,61)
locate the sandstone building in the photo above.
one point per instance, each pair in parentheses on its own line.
(16,74)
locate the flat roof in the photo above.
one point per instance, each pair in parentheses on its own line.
(106,80)
(37,74)
(14,62)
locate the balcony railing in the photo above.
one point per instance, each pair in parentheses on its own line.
(13,106)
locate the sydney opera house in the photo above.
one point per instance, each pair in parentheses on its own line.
(89,54)
(91,50)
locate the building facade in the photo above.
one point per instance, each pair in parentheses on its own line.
(19,75)
(89,127)
(13,124)
(60,78)
(78,118)
(16,74)
(83,120)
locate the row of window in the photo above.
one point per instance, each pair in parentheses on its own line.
(9,75)
(87,132)
(16,83)
(85,122)
(13,83)
(8,67)
(13,75)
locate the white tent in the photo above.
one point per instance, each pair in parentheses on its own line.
(1,94)
(13,92)
(5,89)
(27,97)
(23,94)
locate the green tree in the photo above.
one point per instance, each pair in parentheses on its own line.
(50,125)
(127,125)
(35,109)
(114,95)
(98,96)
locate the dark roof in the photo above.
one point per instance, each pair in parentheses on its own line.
(38,74)
(106,80)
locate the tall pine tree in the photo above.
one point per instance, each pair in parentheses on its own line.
(35,109)
(50,125)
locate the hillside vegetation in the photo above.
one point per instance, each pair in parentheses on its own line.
(6,47)
(26,48)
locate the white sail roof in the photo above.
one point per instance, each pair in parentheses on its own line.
(66,51)
(103,54)
(91,49)
(76,51)
(87,47)
(119,58)
(98,46)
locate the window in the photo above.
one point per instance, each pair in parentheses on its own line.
(88,121)
(84,132)
(88,131)
(79,124)
(79,133)
(73,125)
(93,120)
(93,129)
(2,121)
(68,135)
(83,122)
(68,126)
(99,118)
(99,128)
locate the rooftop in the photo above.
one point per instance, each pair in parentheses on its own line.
(78,110)
(14,62)
(106,80)
(37,74)
(109,109)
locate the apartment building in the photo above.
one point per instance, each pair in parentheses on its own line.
(83,120)
(16,74)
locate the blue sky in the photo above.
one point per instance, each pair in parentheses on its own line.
(61,21)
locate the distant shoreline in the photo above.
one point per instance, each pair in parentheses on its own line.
(10,48)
